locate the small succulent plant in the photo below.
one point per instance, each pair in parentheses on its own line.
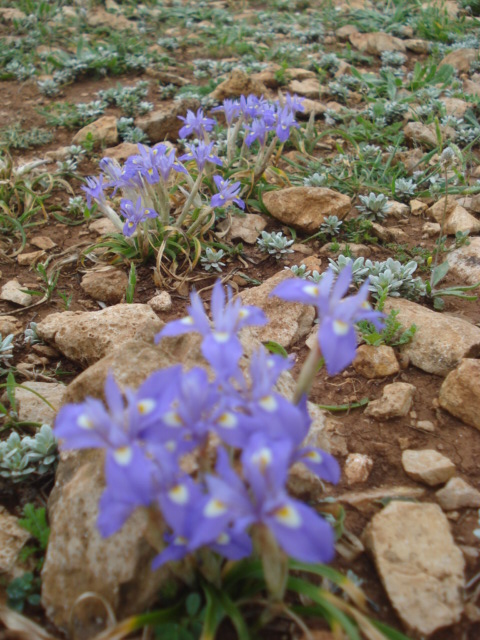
(22,457)
(276,244)
(6,348)
(30,334)
(373,206)
(331,226)
(405,188)
(212,259)
(299,271)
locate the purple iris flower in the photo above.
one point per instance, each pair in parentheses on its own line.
(134,214)
(337,314)
(166,162)
(127,487)
(221,345)
(257,131)
(294,103)
(95,190)
(190,414)
(285,121)
(195,123)
(226,193)
(260,498)
(201,153)
(230,108)
(251,106)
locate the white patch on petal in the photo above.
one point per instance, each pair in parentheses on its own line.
(268,403)
(221,336)
(172,419)
(171,446)
(262,458)
(227,421)
(311,290)
(214,508)
(340,328)
(146,406)
(288,516)
(179,494)
(123,455)
(243,313)
(180,541)
(84,422)
(187,320)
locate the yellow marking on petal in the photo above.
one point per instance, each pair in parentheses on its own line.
(180,541)
(221,336)
(311,290)
(187,320)
(243,313)
(366,305)
(214,508)
(340,328)
(146,406)
(314,456)
(288,516)
(84,422)
(179,494)
(172,419)
(223,538)
(123,455)
(227,421)
(131,224)
(268,403)
(150,171)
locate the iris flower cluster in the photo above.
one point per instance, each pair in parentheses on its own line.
(175,413)
(143,180)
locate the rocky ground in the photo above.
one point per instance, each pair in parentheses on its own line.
(388,87)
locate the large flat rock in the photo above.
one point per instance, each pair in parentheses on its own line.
(419,564)
(441,340)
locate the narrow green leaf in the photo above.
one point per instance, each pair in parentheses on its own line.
(275,348)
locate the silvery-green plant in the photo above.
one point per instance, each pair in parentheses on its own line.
(21,457)
(388,277)
(374,206)
(276,244)
(129,132)
(31,335)
(212,259)
(359,271)
(329,62)
(76,205)
(316,180)
(405,188)
(49,87)
(331,226)
(299,271)
(395,279)
(6,348)
(393,58)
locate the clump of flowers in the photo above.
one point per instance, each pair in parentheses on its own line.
(153,182)
(237,505)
